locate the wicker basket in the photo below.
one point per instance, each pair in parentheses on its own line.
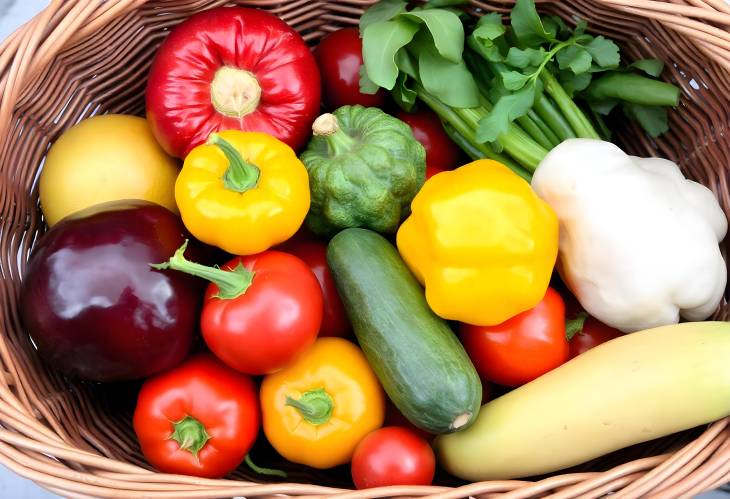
(79,58)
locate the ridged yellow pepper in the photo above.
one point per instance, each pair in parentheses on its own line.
(242,191)
(482,242)
(317,410)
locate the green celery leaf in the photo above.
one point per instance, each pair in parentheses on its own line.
(445,28)
(403,94)
(385,10)
(488,29)
(556,27)
(574,57)
(451,82)
(522,58)
(580,27)
(496,89)
(604,52)
(406,63)
(366,84)
(573,83)
(527,26)
(444,3)
(603,107)
(380,43)
(653,119)
(652,67)
(506,110)
(512,80)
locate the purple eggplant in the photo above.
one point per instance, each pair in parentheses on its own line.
(93,305)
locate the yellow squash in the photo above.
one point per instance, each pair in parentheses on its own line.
(482,242)
(317,410)
(243,192)
(105,158)
(629,390)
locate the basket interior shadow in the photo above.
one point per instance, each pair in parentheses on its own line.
(106,73)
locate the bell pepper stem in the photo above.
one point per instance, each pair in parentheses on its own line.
(190,434)
(240,175)
(263,471)
(234,92)
(231,283)
(328,127)
(575,326)
(315,406)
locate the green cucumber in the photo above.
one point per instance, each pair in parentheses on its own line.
(418,359)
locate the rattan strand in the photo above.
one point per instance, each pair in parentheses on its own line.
(79,58)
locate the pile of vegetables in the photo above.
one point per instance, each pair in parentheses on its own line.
(358,284)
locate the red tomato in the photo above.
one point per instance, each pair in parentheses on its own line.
(314,254)
(433,170)
(593,333)
(339,57)
(522,348)
(272,322)
(441,153)
(392,456)
(203,404)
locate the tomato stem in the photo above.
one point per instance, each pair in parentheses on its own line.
(315,406)
(263,471)
(575,326)
(240,175)
(190,434)
(231,283)
(328,127)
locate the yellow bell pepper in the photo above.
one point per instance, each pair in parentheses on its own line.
(482,242)
(317,410)
(242,191)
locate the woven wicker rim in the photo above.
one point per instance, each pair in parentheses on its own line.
(51,432)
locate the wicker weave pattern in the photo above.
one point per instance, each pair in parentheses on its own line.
(79,58)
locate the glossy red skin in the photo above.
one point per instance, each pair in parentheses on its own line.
(523,348)
(272,323)
(223,400)
(392,456)
(179,107)
(94,306)
(339,57)
(441,153)
(314,254)
(593,334)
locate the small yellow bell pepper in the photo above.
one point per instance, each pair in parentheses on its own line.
(482,242)
(317,410)
(242,191)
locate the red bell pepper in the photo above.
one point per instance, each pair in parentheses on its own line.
(232,68)
(260,311)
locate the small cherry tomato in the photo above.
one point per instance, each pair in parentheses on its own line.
(314,254)
(522,348)
(339,57)
(592,333)
(392,456)
(441,153)
(199,418)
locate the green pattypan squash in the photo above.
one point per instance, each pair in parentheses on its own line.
(364,168)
